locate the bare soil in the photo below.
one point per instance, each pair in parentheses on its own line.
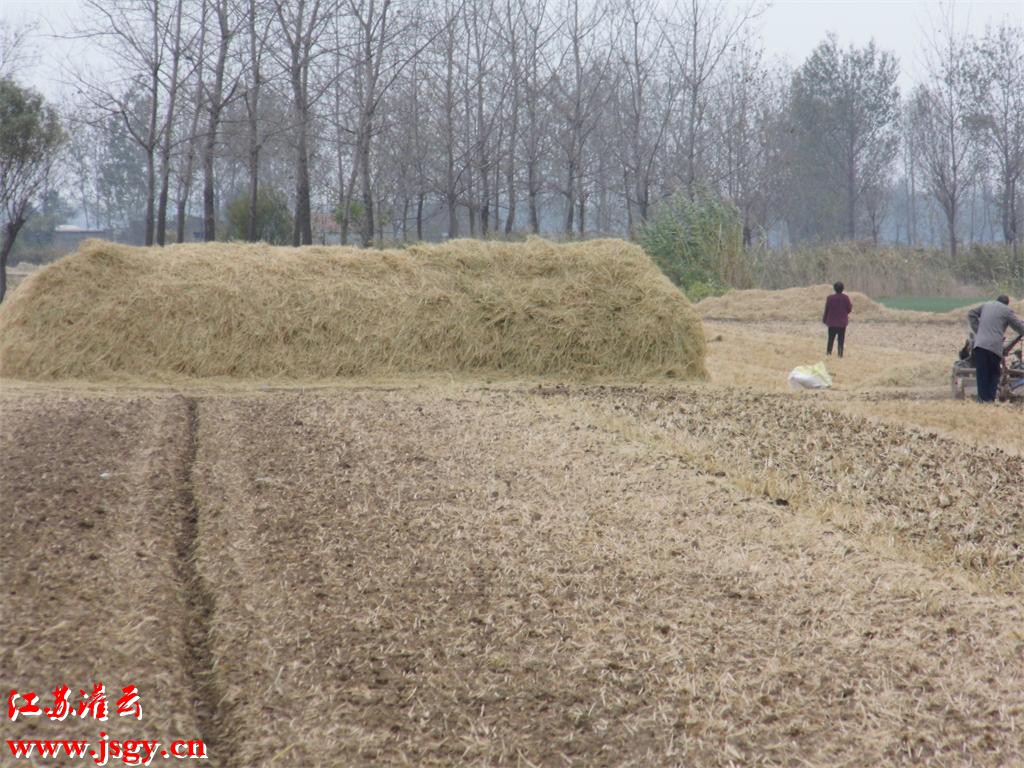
(92,578)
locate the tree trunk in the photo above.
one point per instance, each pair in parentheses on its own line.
(419,217)
(369,224)
(851,199)
(179,223)
(254,192)
(510,173)
(346,205)
(165,150)
(303,232)
(453,216)
(165,182)
(951,223)
(150,193)
(485,206)
(570,194)
(11,230)
(150,145)
(209,198)
(532,194)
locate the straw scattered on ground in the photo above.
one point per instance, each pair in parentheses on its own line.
(91,555)
(550,575)
(530,573)
(599,308)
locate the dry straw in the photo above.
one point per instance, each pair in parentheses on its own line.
(599,308)
(807,303)
(796,304)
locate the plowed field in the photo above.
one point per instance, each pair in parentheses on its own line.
(519,574)
(516,576)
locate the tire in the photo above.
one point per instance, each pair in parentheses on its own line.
(1003,390)
(956,383)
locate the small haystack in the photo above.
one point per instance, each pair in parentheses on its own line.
(961,312)
(597,308)
(793,304)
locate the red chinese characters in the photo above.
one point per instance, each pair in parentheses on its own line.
(29,708)
(61,706)
(129,704)
(93,705)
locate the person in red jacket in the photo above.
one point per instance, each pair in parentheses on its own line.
(837,316)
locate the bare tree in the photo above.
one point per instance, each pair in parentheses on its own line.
(997,78)
(387,37)
(133,36)
(580,87)
(15,51)
(650,88)
(483,105)
(941,112)
(448,71)
(747,109)
(301,25)
(703,31)
(186,170)
(175,54)
(216,94)
(511,31)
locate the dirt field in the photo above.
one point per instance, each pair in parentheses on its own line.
(718,574)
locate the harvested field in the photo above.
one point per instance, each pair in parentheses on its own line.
(892,372)
(524,575)
(95,584)
(806,304)
(599,308)
(421,572)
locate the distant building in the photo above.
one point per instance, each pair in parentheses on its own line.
(67,237)
(326,230)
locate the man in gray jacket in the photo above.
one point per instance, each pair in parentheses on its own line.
(989,322)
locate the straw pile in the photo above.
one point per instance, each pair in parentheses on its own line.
(961,312)
(807,303)
(599,308)
(795,304)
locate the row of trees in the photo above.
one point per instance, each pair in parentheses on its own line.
(424,118)
(31,136)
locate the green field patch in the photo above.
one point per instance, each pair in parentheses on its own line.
(930,303)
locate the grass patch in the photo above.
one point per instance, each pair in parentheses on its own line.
(930,303)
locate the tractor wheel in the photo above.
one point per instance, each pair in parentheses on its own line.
(957,385)
(1003,391)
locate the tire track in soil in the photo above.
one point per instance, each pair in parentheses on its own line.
(199,607)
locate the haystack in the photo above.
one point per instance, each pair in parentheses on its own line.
(960,314)
(806,303)
(578,310)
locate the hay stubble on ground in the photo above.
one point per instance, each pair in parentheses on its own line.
(93,586)
(548,576)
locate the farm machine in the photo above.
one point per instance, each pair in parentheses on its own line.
(964,380)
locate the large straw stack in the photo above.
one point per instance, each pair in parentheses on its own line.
(597,308)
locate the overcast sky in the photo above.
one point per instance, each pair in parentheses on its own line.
(789,28)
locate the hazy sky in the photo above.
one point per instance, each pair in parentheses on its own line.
(789,28)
